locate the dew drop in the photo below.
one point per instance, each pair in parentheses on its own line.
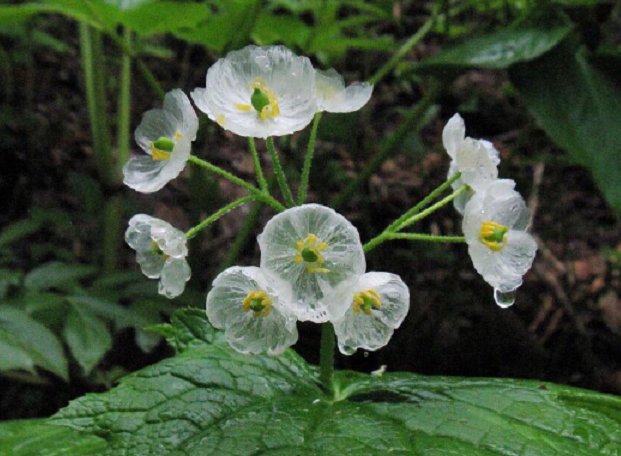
(504,299)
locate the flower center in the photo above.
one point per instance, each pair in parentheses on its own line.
(309,252)
(259,302)
(263,100)
(365,301)
(493,235)
(163,146)
(155,248)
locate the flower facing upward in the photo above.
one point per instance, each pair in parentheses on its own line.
(160,251)
(314,249)
(166,136)
(494,224)
(252,307)
(377,304)
(333,96)
(476,159)
(259,92)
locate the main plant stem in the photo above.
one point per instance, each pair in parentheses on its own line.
(326,356)
(281,178)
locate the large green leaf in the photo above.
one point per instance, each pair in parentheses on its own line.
(211,400)
(41,344)
(579,107)
(87,336)
(56,274)
(37,437)
(520,43)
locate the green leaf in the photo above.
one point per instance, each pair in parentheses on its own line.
(88,338)
(55,274)
(37,437)
(41,344)
(211,400)
(18,230)
(13,356)
(501,49)
(166,17)
(9,278)
(579,107)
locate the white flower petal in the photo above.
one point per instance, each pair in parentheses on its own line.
(175,273)
(333,96)
(343,257)
(371,332)
(229,86)
(155,123)
(503,265)
(247,333)
(177,103)
(160,251)
(453,134)
(477,160)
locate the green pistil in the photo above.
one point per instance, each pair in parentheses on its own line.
(309,255)
(259,100)
(164,143)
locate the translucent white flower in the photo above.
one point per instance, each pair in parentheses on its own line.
(251,306)
(333,96)
(476,159)
(166,136)
(376,305)
(494,224)
(160,251)
(314,249)
(259,92)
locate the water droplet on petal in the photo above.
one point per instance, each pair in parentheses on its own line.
(504,299)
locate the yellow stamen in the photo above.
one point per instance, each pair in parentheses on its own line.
(243,107)
(493,235)
(309,252)
(178,135)
(158,154)
(220,120)
(259,302)
(365,301)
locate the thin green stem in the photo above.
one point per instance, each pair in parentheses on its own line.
(150,78)
(91,53)
(425,237)
(257,165)
(308,160)
(431,209)
(395,226)
(279,172)
(387,235)
(413,122)
(326,356)
(260,195)
(124,107)
(403,50)
(217,215)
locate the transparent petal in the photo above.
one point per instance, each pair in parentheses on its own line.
(333,96)
(151,263)
(155,123)
(343,256)
(229,85)
(177,103)
(138,233)
(270,334)
(175,273)
(453,135)
(477,160)
(371,332)
(459,203)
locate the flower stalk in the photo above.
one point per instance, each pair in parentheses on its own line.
(218,214)
(308,160)
(281,178)
(326,357)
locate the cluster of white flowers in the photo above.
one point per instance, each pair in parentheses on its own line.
(495,215)
(257,92)
(312,269)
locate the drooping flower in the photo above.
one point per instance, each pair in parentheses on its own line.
(251,306)
(476,159)
(494,224)
(377,304)
(166,136)
(160,251)
(333,96)
(259,92)
(314,249)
